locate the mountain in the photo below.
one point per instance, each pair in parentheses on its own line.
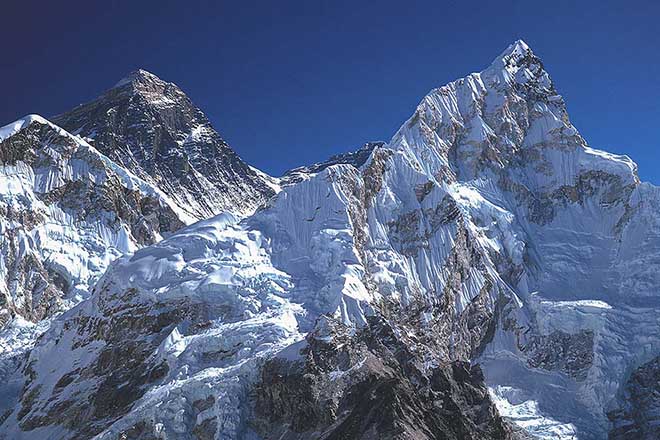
(69,209)
(151,127)
(486,274)
(66,211)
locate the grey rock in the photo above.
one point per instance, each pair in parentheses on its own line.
(571,354)
(356,158)
(372,385)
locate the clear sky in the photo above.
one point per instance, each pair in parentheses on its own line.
(292,82)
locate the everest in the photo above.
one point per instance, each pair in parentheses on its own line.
(485,274)
(152,128)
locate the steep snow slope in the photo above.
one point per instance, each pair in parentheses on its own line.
(66,211)
(151,127)
(487,230)
(587,227)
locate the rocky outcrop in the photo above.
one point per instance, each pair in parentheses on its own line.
(571,354)
(355,158)
(126,366)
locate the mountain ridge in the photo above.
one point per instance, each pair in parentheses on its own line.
(486,231)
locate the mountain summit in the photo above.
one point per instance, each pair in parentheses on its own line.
(151,127)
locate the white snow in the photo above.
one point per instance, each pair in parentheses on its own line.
(16,126)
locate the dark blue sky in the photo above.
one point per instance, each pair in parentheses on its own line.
(291,82)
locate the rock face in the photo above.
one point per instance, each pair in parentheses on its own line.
(639,414)
(572,354)
(151,127)
(358,300)
(370,384)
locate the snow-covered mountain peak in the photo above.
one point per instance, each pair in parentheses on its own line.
(518,65)
(508,116)
(516,50)
(157,92)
